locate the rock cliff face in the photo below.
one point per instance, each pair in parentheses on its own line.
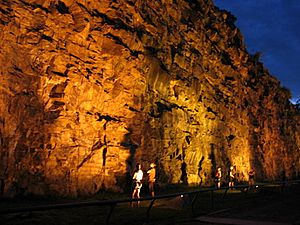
(90,87)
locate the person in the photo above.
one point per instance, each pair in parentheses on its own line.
(231,177)
(251,174)
(137,179)
(218,177)
(151,178)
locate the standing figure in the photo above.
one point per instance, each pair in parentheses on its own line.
(218,177)
(137,178)
(231,177)
(151,178)
(251,177)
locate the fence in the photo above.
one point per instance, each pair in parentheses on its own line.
(113,203)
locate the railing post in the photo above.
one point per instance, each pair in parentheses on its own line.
(212,199)
(148,210)
(112,206)
(193,203)
(224,195)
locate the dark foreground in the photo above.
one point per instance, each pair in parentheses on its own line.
(258,206)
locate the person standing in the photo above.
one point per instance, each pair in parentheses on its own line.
(151,178)
(218,177)
(231,177)
(137,179)
(251,175)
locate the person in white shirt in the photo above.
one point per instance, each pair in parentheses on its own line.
(231,177)
(137,178)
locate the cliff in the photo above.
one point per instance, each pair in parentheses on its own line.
(89,88)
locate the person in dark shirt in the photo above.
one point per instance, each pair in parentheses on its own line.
(251,175)
(218,177)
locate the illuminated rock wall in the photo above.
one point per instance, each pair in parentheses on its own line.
(89,88)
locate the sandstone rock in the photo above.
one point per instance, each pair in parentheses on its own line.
(89,88)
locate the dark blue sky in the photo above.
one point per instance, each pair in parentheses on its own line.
(271,27)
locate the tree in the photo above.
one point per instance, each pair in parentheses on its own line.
(297,105)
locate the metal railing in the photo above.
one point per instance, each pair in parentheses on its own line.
(114,203)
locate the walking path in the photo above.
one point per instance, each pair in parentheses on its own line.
(232,221)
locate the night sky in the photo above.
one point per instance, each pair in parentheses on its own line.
(271,27)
